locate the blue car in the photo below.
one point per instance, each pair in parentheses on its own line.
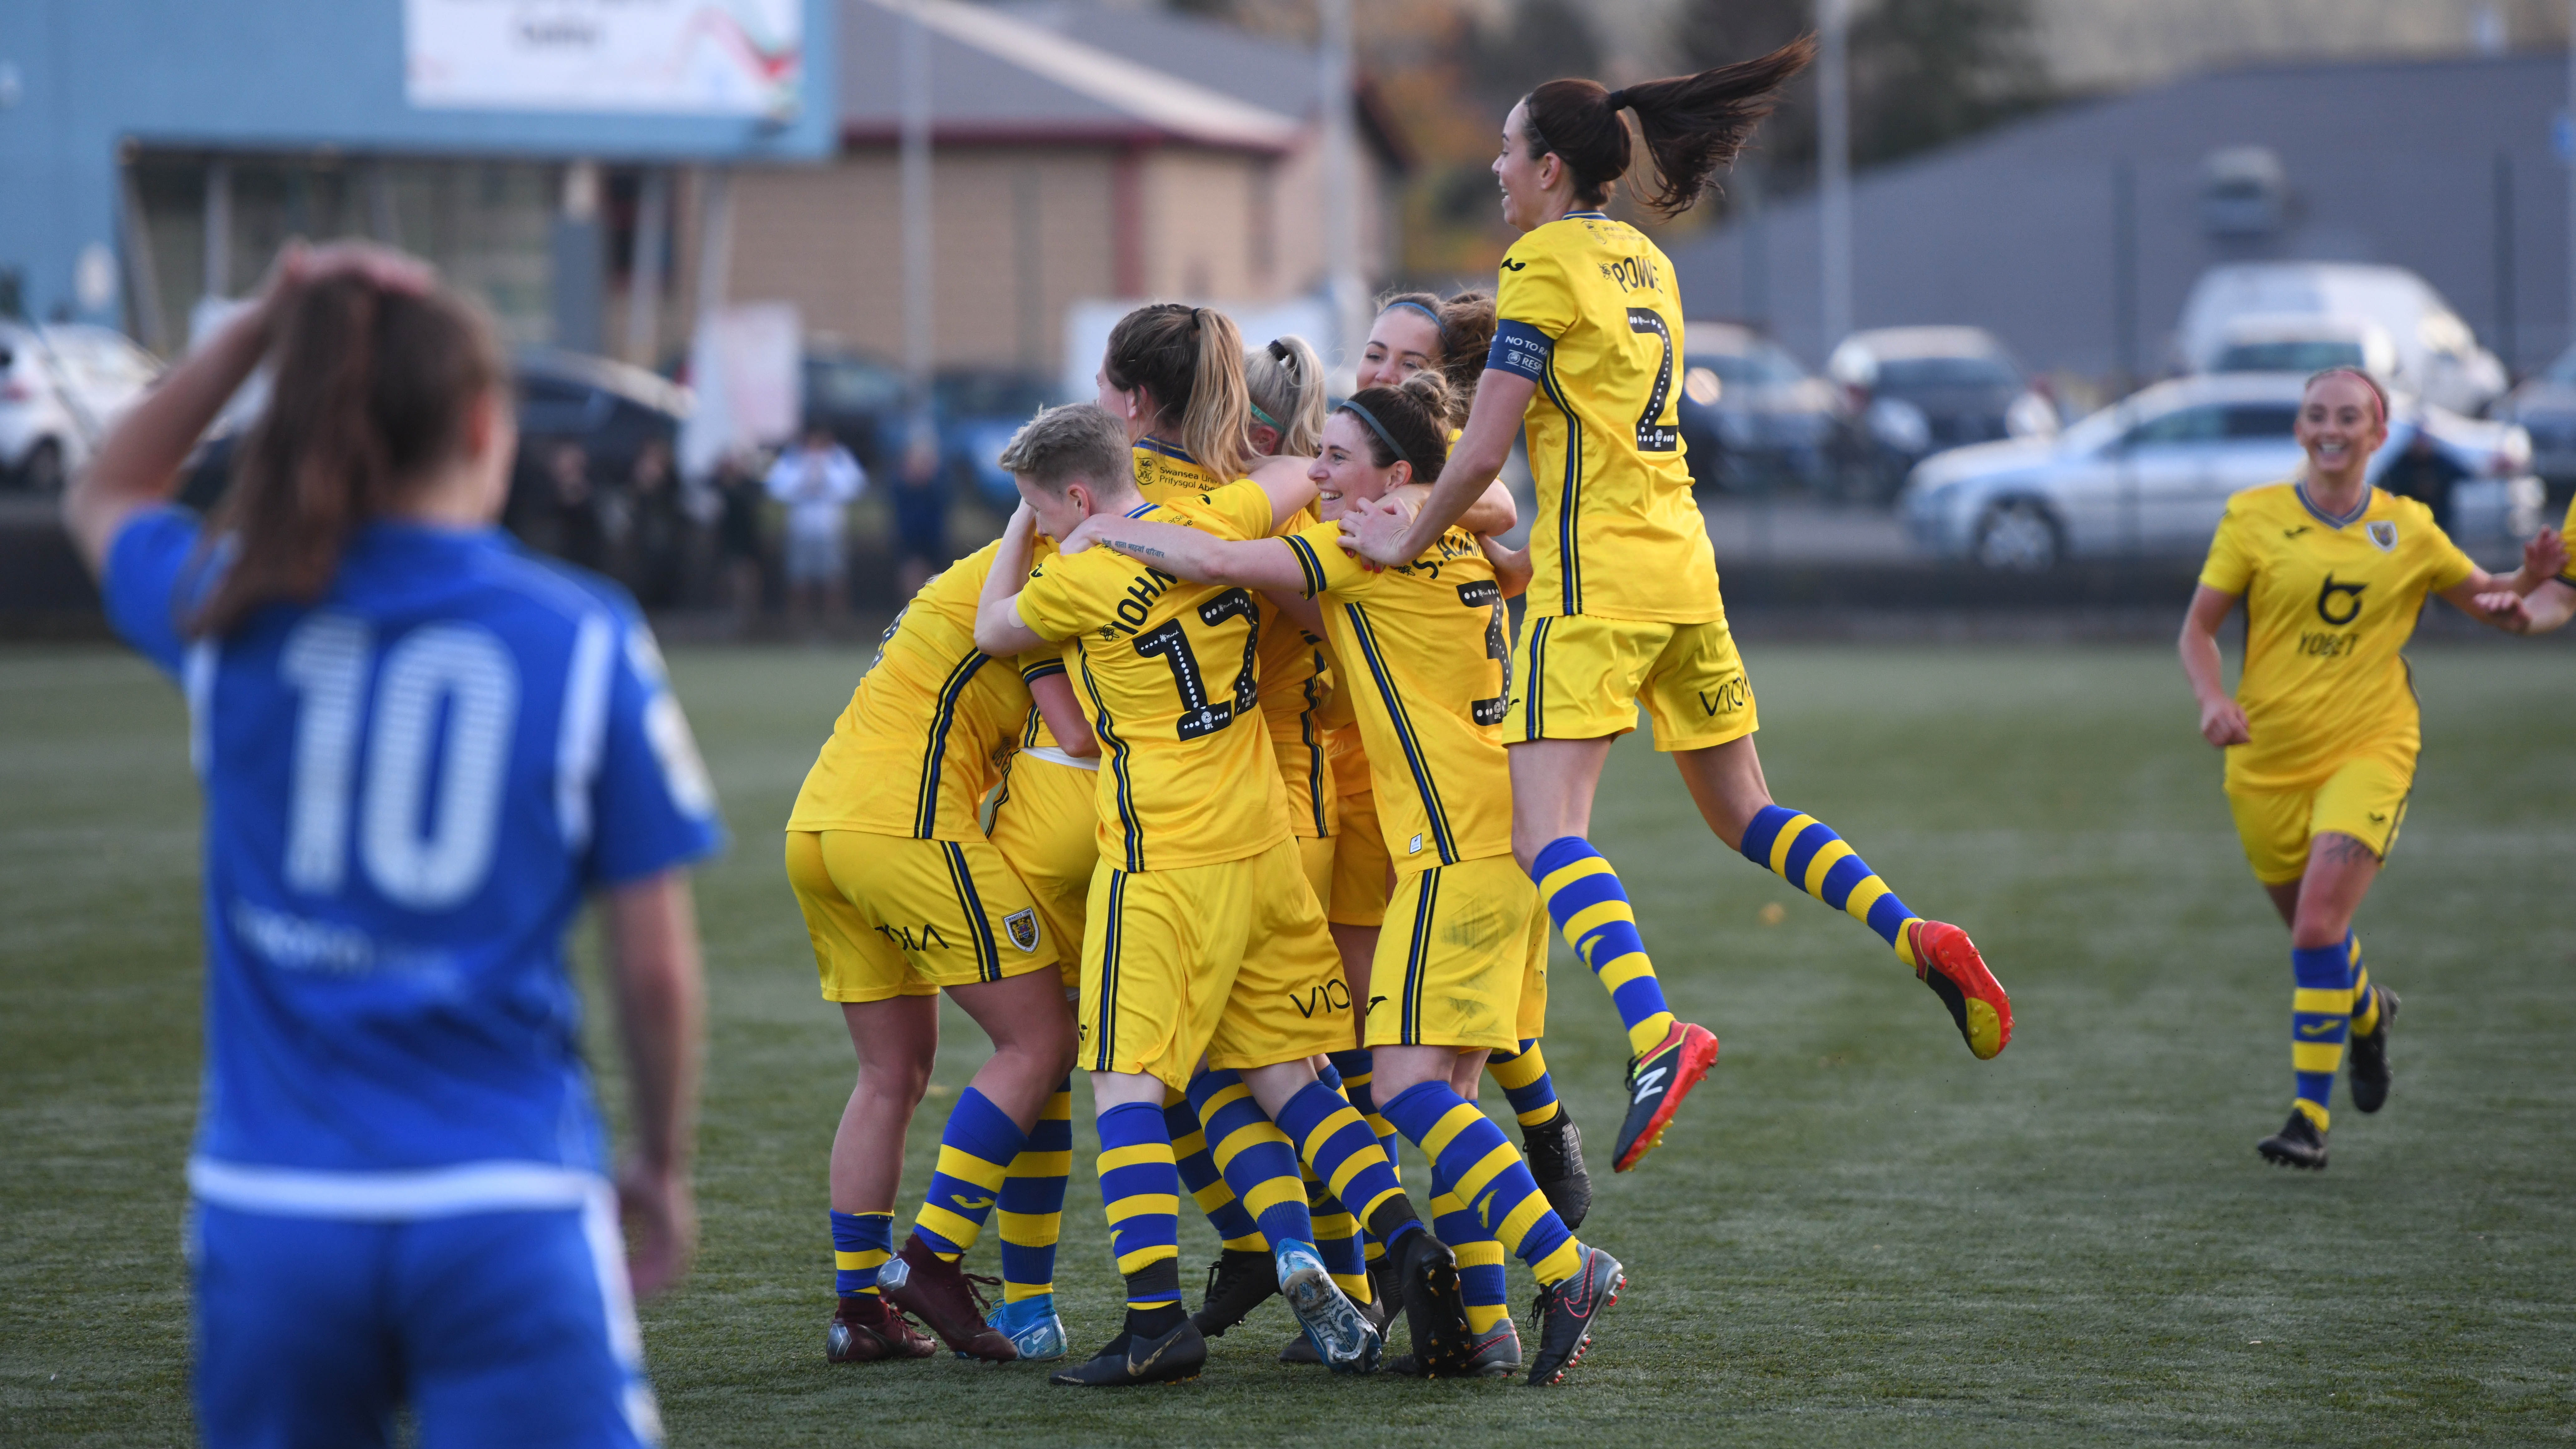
(976,410)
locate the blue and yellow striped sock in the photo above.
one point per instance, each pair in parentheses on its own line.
(1255,1156)
(1331,1138)
(1141,1189)
(1207,1185)
(1480,1260)
(1337,1239)
(975,1152)
(861,1242)
(2320,1015)
(2365,1001)
(1031,1217)
(1800,850)
(1523,1077)
(1472,1153)
(1585,900)
(1355,1069)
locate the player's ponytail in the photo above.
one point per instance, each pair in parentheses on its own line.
(1691,124)
(1466,336)
(370,392)
(1407,424)
(1284,384)
(1189,360)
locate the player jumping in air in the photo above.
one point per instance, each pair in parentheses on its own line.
(1624,606)
(2322,733)
(420,749)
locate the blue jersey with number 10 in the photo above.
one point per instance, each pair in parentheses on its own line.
(409,788)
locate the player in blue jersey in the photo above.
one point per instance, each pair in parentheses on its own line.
(420,750)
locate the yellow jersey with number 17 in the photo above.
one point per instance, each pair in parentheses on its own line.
(2328,603)
(1586,309)
(1166,671)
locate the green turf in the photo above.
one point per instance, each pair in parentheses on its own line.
(1856,1234)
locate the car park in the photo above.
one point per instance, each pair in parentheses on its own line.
(2436,356)
(2306,343)
(2151,474)
(62,385)
(1752,418)
(1920,390)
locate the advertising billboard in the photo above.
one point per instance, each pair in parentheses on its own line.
(671,57)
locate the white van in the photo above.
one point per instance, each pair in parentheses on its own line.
(2436,356)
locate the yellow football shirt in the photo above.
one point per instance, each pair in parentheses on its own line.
(1587,310)
(2328,605)
(1426,650)
(2567,574)
(1167,671)
(928,724)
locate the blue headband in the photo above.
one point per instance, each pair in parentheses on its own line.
(1418,307)
(1364,415)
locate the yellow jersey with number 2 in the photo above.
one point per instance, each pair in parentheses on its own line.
(2328,604)
(1586,309)
(1167,672)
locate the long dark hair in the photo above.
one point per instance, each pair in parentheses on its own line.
(1692,124)
(1408,424)
(1191,360)
(1466,323)
(370,391)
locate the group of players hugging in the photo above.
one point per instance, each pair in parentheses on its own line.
(1222,778)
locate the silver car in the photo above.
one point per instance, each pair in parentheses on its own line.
(61,386)
(2150,475)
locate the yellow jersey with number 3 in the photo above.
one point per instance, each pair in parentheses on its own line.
(1167,672)
(2328,604)
(1424,649)
(1586,309)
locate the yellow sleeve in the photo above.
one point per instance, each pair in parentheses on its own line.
(1069,596)
(1327,568)
(1037,664)
(1241,506)
(2230,568)
(1534,292)
(2567,575)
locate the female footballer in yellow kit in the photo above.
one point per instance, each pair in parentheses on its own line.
(1624,606)
(2322,733)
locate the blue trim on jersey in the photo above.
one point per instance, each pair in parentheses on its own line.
(1569,570)
(988,953)
(1140,510)
(1534,702)
(2300,491)
(1168,450)
(925,815)
(1585,216)
(1038,671)
(1107,730)
(1315,771)
(1403,722)
(1417,955)
(1112,938)
(1520,349)
(1307,563)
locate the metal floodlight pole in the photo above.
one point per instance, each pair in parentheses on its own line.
(1834,213)
(917,256)
(1343,284)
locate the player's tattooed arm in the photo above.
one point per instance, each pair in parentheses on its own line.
(999,630)
(2222,719)
(1202,558)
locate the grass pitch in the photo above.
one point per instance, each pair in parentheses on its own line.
(1855,1233)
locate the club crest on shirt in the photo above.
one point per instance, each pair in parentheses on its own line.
(2384,533)
(1022,928)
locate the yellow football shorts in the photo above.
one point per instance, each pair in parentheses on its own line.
(1315,862)
(892,916)
(1580,677)
(1046,824)
(1462,961)
(1231,960)
(2364,798)
(1362,870)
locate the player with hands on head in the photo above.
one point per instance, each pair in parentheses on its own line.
(421,748)
(1203,949)
(1623,603)
(1461,967)
(2322,733)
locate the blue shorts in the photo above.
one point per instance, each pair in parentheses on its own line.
(497,1328)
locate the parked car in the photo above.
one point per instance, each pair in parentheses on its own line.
(1752,417)
(977,409)
(2306,343)
(2151,475)
(1919,390)
(612,410)
(62,385)
(859,398)
(2545,407)
(2436,357)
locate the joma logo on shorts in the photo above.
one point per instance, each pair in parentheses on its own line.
(1329,997)
(908,939)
